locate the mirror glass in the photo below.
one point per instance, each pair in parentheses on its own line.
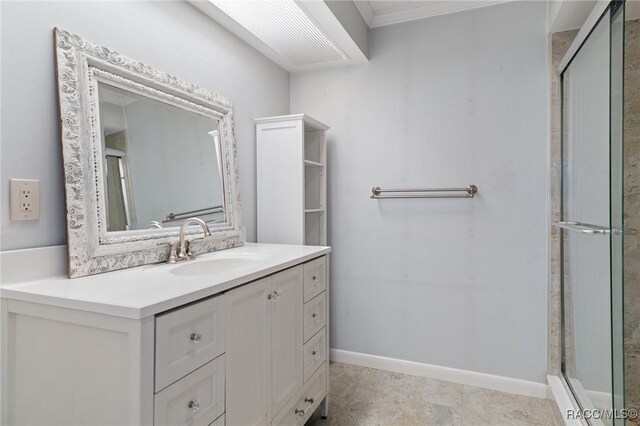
(162,164)
(143,151)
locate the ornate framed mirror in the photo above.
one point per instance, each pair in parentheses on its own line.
(143,151)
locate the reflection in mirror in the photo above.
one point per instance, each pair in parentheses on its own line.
(162,163)
(142,150)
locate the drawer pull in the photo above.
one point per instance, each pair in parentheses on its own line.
(309,400)
(273,296)
(194,405)
(300,412)
(195,337)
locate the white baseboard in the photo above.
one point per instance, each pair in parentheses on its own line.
(464,377)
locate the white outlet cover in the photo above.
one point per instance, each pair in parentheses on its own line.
(25,199)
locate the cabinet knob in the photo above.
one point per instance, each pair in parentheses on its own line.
(313,315)
(313,353)
(194,405)
(309,400)
(314,278)
(300,412)
(195,337)
(270,296)
(277,294)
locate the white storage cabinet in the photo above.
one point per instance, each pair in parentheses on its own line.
(291,180)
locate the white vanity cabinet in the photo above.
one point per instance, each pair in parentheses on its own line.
(265,339)
(314,348)
(267,352)
(190,364)
(286,337)
(244,354)
(248,326)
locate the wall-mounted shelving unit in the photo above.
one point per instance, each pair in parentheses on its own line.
(291,180)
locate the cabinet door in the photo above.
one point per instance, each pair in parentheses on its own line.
(248,391)
(286,336)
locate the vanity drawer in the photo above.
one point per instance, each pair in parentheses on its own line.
(194,400)
(315,353)
(300,408)
(315,312)
(188,338)
(315,280)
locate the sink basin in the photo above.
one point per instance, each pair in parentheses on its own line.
(219,264)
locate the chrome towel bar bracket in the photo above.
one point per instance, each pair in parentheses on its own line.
(467,192)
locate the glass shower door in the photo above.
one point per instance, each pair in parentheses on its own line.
(591,208)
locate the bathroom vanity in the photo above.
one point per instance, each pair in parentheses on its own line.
(237,337)
(169,317)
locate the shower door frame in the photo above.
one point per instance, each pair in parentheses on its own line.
(603,9)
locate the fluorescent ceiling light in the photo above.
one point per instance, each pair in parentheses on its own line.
(284,27)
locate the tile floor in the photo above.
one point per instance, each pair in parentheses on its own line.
(365,396)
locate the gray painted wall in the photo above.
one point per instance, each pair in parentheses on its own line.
(447,101)
(171,36)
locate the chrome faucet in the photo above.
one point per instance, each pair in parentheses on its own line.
(180,249)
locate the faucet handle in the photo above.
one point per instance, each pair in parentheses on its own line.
(190,252)
(173,251)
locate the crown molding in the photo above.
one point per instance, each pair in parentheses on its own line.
(365,9)
(420,11)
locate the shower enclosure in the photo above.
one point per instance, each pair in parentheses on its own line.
(599,79)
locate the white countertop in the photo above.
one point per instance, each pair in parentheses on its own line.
(147,290)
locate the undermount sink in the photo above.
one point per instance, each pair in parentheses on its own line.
(217,265)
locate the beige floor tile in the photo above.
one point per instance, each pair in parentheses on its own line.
(366,396)
(488,407)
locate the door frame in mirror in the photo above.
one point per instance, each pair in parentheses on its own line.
(80,65)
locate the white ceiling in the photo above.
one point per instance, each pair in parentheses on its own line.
(295,34)
(297,37)
(378,13)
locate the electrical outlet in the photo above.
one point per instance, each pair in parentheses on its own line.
(25,199)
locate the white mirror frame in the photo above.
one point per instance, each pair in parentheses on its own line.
(80,64)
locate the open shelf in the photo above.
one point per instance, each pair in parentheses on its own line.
(314,188)
(314,234)
(314,149)
(313,163)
